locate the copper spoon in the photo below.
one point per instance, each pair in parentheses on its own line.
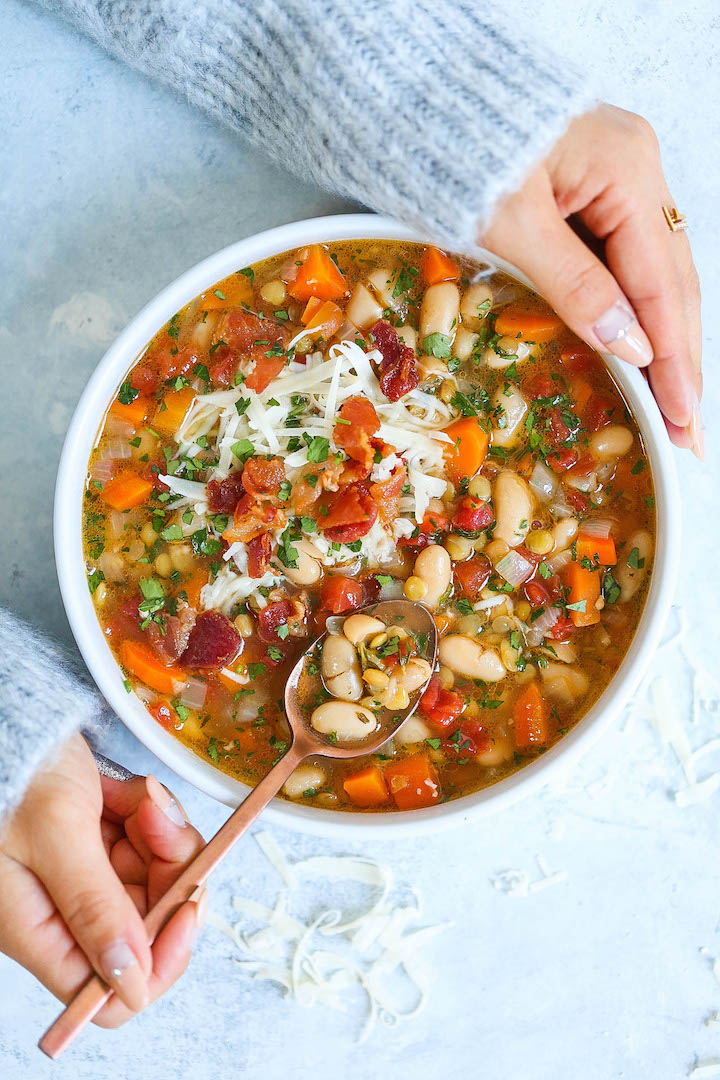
(305,742)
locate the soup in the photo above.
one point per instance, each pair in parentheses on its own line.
(360,421)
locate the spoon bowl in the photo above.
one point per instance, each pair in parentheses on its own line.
(420,624)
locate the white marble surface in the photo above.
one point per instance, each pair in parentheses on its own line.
(109,188)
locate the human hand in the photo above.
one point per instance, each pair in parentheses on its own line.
(81,861)
(645,305)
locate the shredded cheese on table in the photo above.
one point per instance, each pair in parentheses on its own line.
(364,950)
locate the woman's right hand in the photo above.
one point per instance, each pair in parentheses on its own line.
(644,306)
(81,861)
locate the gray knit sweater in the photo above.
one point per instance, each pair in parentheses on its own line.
(428,110)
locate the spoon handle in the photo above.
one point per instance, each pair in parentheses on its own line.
(93,995)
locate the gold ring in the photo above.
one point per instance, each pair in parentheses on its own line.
(676,222)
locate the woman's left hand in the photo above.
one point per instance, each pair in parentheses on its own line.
(81,861)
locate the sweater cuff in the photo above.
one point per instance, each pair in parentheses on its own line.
(44,699)
(427,110)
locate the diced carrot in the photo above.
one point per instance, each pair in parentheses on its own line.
(469,447)
(163,713)
(135,413)
(127,491)
(580,391)
(596,548)
(413,782)
(531,325)
(142,662)
(525,465)
(530,713)
(318,276)
(173,409)
(584,586)
(232,685)
(367,787)
(442,622)
(314,304)
(329,316)
(436,266)
(194,586)
(246,741)
(235,290)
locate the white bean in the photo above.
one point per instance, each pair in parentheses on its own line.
(415,674)
(408,335)
(510,408)
(563,533)
(348,686)
(414,730)
(439,310)
(363,309)
(474,305)
(347,721)
(341,669)
(501,749)
(434,567)
(467,657)
(358,627)
(610,442)
(630,578)
(383,282)
(465,342)
(305,778)
(309,569)
(514,506)
(202,332)
(515,352)
(577,682)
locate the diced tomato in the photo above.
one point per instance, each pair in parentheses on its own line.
(472,516)
(248,334)
(578,500)
(262,477)
(580,359)
(473,738)
(562,630)
(602,409)
(540,386)
(171,362)
(583,468)
(563,460)
(398,370)
(223,365)
(352,512)
(357,421)
(224,495)
(558,432)
(272,617)
(266,369)
(340,594)
(371,589)
(163,713)
(259,550)
(144,379)
(537,594)
(213,641)
(386,494)
(472,576)
(430,532)
(441,707)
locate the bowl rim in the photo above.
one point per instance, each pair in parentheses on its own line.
(67,523)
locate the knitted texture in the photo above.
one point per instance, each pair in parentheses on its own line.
(43,700)
(427,110)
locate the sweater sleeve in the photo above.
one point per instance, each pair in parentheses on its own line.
(427,110)
(44,698)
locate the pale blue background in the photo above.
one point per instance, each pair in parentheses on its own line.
(110,186)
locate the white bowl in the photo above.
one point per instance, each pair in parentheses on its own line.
(202,774)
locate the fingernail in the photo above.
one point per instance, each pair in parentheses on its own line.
(621,332)
(121,970)
(695,431)
(200,913)
(164,801)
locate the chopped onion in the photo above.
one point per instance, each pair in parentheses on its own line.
(537,629)
(118,428)
(600,527)
(335,624)
(193,696)
(559,506)
(136,550)
(102,470)
(145,693)
(543,481)
(118,522)
(514,568)
(556,562)
(582,483)
(118,449)
(112,565)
